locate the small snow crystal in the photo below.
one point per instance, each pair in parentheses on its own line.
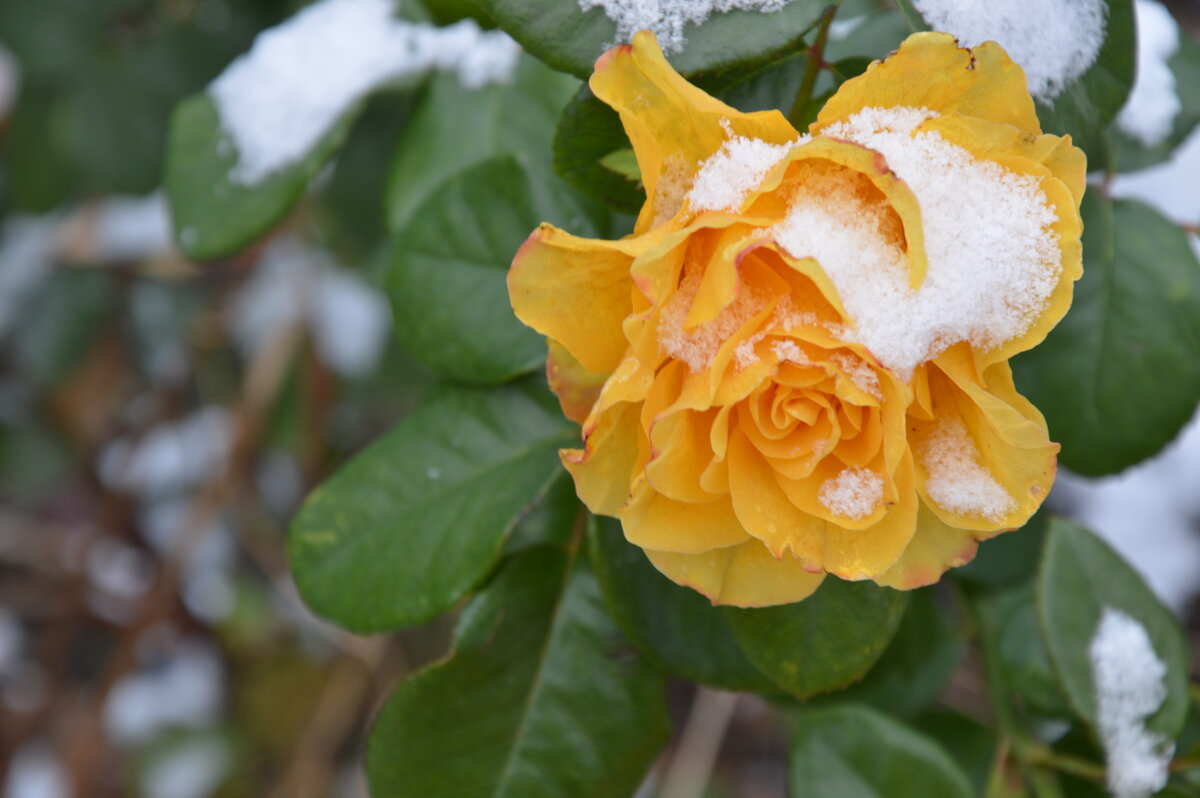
(1153,103)
(667,18)
(954,477)
(1055,41)
(279,99)
(728,176)
(854,493)
(699,346)
(1128,676)
(993,259)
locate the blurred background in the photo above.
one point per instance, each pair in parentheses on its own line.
(161,420)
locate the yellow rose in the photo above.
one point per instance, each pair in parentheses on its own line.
(797,364)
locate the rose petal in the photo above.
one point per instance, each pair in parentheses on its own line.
(745,575)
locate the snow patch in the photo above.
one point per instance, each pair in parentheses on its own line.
(35,772)
(854,493)
(193,769)
(185,691)
(667,18)
(170,457)
(1153,102)
(728,176)
(955,479)
(1055,41)
(993,259)
(1128,676)
(278,100)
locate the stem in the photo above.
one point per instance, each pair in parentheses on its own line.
(815,62)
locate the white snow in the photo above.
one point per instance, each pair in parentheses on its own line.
(955,478)
(728,176)
(171,456)
(667,18)
(1170,187)
(278,100)
(993,259)
(28,245)
(1153,102)
(192,769)
(185,691)
(854,493)
(1128,677)
(34,772)
(131,228)
(1148,514)
(118,569)
(1055,41)
(294,284)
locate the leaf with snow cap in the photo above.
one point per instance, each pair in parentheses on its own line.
(447,280)
(565,36)
(1119,377)
(1077,54)
(1131,152)
(410,525)
(215,215)
(1080,576)
(541,697)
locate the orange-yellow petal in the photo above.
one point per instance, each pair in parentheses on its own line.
(934,549)
(577,388)
(604,468)
(576,291)
(653,521)
(930,70)
(745,575)
(672,125)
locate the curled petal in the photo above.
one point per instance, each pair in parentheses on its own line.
(604,468)
(577,388)
(672,125)
(745,575)
(930,70)
(934,549)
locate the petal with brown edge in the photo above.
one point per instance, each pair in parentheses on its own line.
(577,388)
(930,70)
(603,470)
(934,549)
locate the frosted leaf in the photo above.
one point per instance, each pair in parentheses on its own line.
(277,101)
(1153,102)
(1128,677)
(667,18)
(854,493)
(1055,41)
(954,477)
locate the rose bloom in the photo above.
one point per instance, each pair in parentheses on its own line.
(797,364)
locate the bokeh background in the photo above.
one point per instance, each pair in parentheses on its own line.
(160,421)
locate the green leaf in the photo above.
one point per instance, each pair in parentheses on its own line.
(823,643)
(415,521)
(541,698)
(549,522)
(1129,153)
(588,133)
(455,127)
(1008,558)
(560,33)
(1119,376)
(1080,576)
(1085,108)
(449,264)
(674,626)
(215,216)
(1009,618)
(855,752)
(915,667)
(971,744)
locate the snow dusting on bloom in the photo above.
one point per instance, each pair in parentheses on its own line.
(1055,41)
(993,259)
(277,101)
(1154,102)
(1128,676)
(955,479)
(728,176)
(854,493)
(667,18)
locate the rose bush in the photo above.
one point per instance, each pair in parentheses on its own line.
(797,364)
